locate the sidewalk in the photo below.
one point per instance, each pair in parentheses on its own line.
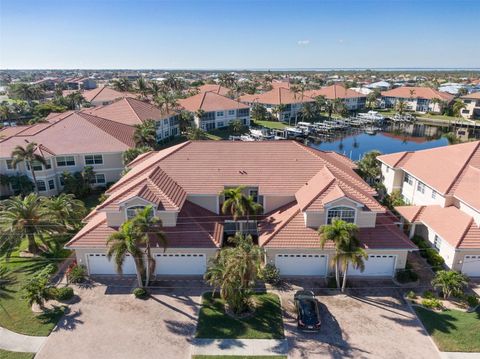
(19,343)
(244,347)
(458,355)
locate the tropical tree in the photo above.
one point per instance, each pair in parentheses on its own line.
(122,85)
(132,153)
(27,219)
(450,282)
(369,167)
(349,252)
(338,232)
(339,107)
(142,87)
(29,156)
(66,210)
(155,89)
(195,133)
(457,106)
(308,112)
(321,103)
(125,242)
(145,134)
(401,107)
(185,120)
(259,112)
(234,270)
(372,98)
(166,101)
(5,112)
(238,204)
(237,127)
(278,110)
(149,228)
(75,100)
(26,92)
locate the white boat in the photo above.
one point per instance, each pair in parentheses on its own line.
(246,138)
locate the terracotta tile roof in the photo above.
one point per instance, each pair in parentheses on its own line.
(196,228)
(310,191)
(214,88)
(128,111)
(103,94)
(140,158)
(209,101)
(471,238)
(467,188)
(277,96)
(450,223)
(56,116)
(418,92)
(285,228)
(473,95)
(10,131)
(334,91)
(75,134)
(440,168)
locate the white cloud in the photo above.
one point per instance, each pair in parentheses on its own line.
(303,42)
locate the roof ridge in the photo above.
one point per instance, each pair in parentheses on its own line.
(130,105)
(477,146)
(118,124)
(324,189)
(161,190)
(465,232)
(288,220)
(74,239)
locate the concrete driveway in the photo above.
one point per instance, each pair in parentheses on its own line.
(107,322)
(367,325)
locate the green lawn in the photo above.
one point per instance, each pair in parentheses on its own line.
(266,323)
(271,124)
(239,357)
(452,330)
(15,313)
(15,355)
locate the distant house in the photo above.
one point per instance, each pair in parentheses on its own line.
(282,98)
(216,111)
(218,89)
(79,83)
(69,142)
(103,95)
(381,85)
(131,111)
(418,99)
(472,103)
(353,100)
(442,186)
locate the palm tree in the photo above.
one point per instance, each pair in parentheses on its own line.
(5,112)
(308,112)
(338,232)
(29,156)
(26,92)
(126,241)
(145,134)
(27,219)
(234,270)
(149,228)
(132,153)
(195,133)
(457,107)
(237,127)
(185,120)
(369,167)
(401,107)
(339,107)
(142,87)
(66,210)
(155,89)
(450,282)
(351,253)
(75,100)
(235,202)
(122,84)
(166,102)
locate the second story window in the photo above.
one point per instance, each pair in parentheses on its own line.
(93,159)
(231,112)
(346,214)
(420,187)
(220,114)
(408,179)
(64,161)
(9,164)
(132,211)
(437,242)
(434,194)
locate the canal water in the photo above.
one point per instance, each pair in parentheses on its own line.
(407,137)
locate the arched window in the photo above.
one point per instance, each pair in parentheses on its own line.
(132,211)
(346,214)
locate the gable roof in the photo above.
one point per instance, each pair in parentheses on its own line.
(209,101)
(277,96)
(334,91)
(418,92)
(218,89)
(103,93)
(441,167)
(473,95)
(76,133)
(129,111)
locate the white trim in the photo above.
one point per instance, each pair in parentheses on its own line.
(327,209)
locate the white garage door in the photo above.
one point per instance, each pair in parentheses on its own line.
(376,265)
(471,265)
(181,263)
(99,264)
(301,264)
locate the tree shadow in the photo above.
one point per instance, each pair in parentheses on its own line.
(69,320)
(183,329)
(171,307)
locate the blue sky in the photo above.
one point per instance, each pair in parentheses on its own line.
(238,34)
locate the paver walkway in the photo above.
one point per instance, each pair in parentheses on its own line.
(452,355)
(20,343)
(265,347)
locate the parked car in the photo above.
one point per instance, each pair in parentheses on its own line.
(308,313)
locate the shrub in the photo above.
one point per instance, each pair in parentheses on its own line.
(36,290)
(140,293)
(332,283)
(49,270)
(77,274)
(450,282)
(433,303)
(472,300)
(428,294)
(434,259)
(411,295)
(64,293)
(406,275)
(271,274)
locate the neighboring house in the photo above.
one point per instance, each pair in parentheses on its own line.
(217,111)
(214,88)
(131,111)
(353,100)
(69,143)
(272,100)
(443,187)
(381,85)
(418,99)
(79,83)
(103,95)
(300,189)
(472,106)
